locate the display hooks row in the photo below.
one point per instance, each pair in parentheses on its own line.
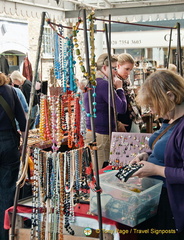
(176,27)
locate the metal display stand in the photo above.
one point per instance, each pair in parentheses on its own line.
(93,129)
(12,234)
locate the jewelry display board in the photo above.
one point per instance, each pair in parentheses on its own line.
(125,146)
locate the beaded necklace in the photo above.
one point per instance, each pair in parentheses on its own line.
(70,139)
(60,29)
(82,117)
(44,127)
(92,76)
(68,187)
(59,132)
(63,114)
(78,137)
(35,205)
(57,65)
(42,176)
(61,194)
(53,122)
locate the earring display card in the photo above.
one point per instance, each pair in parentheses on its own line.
(125,146)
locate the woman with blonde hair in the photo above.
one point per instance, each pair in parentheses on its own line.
(130,121)
(163,92)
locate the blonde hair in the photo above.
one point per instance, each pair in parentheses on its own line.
(3,79)
(16,75)
(125,57)
(104,61)
(154,91)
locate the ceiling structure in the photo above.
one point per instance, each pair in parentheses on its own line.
(125,7)
(103,4)
(70,9)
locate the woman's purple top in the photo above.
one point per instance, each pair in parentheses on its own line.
(174,171)
(101,121)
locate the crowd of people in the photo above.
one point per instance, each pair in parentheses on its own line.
(162,92)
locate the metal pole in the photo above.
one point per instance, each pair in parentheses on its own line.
(110,89)
(110,32)
(12,235)
(179,57)
(93,128)
(169,51)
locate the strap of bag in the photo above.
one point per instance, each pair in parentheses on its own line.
(8,110)
(165,130)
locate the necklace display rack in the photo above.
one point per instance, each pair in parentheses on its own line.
(60,181)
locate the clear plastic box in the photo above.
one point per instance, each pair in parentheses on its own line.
(130,202)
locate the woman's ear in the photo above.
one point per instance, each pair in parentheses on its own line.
(171,96)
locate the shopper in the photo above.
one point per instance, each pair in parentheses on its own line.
(25,85)
(172,67)
(9,151)
(131,120)
(101,121)
(20,96)
(163,92)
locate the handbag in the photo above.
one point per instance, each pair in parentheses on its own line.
(10,114)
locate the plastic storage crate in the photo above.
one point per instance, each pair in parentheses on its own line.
(130,202)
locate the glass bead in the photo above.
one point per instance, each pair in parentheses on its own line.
(78,51)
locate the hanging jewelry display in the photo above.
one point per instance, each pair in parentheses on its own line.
(56,122)
(68,66)
(92,76)
(125,146)
(44,126)
(60,181)
(60,116)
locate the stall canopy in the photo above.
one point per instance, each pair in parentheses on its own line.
(125,7)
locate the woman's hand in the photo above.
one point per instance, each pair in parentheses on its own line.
(149,169)
(140,157)
(117,83)
(121,127)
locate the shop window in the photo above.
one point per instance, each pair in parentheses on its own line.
(48,42)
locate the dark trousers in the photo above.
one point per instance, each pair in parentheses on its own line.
(9,168)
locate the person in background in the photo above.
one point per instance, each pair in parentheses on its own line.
(21,98)
(163,92)
(172,67)
(25,86)
(130,121)
(9,149)
(101,121)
